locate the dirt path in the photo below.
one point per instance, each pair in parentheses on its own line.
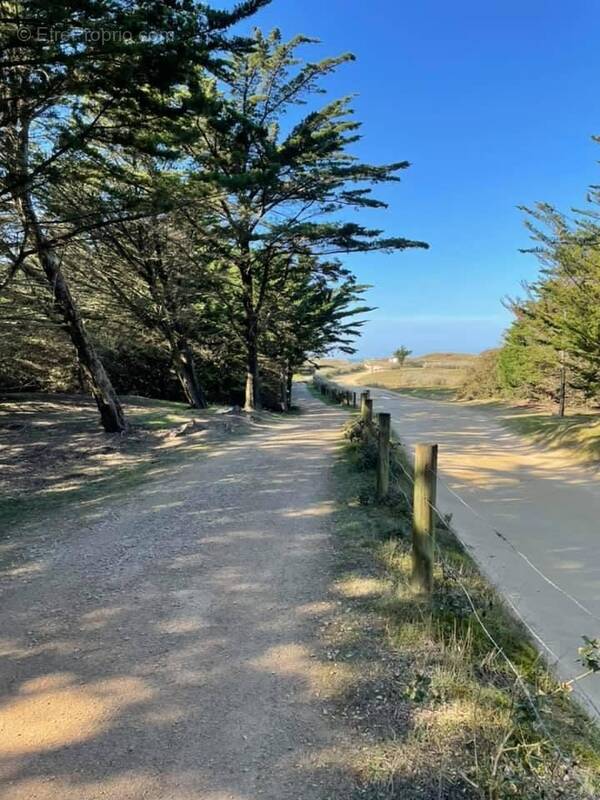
(165,648)
(544,504)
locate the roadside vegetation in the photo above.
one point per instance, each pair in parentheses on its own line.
(438,703)
(579,434)
(466,378)
(526,388)
(551,351)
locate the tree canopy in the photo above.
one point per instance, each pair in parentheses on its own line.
(176,202)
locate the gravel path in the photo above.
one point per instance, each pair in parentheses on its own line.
(166,647)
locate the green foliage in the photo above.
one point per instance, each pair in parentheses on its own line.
(401,354)
(589,654)
(277,217)
(527,367)
(482,378)
(199,232)
(557,326)
(139,367)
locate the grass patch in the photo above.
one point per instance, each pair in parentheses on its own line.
(41,505)
(427,394)
(444,715)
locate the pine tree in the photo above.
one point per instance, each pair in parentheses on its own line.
(309,319)
(284,187)
(564,302)
(77,73)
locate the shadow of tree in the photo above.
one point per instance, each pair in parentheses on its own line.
(166,646)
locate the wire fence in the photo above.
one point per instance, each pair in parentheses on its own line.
(505,538)
(520,681)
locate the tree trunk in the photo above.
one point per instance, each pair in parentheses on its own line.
(283,391)
(183,362)
(252,396)
(290,376)
(111,412)
(182,356)
(562,391)
(252,399)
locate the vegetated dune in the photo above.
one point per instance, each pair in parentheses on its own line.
(435,373)
(449,360)
(329,364)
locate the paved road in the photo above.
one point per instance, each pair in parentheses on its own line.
(547,507)
(166,647)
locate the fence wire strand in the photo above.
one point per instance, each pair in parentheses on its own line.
(557,587)
(520,681)
(518,552)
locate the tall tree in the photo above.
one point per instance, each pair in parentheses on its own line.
(527,365)
(75,73)
(310,318)
(285,188)
(401,354)
(153,266)
(563,303)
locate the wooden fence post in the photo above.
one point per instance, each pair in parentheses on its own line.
(353,399)
(363,400)
(424,516)
(383,456)
(368,411)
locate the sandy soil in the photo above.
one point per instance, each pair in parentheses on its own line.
(167,646)
(54,443)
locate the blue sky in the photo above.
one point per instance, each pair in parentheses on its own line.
(494,104)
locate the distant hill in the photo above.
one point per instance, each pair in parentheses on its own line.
(438,361)
(469,357)
(444,360)
(429,375)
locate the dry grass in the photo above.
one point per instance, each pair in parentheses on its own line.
(435,375)
(440,382)
(328,365)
